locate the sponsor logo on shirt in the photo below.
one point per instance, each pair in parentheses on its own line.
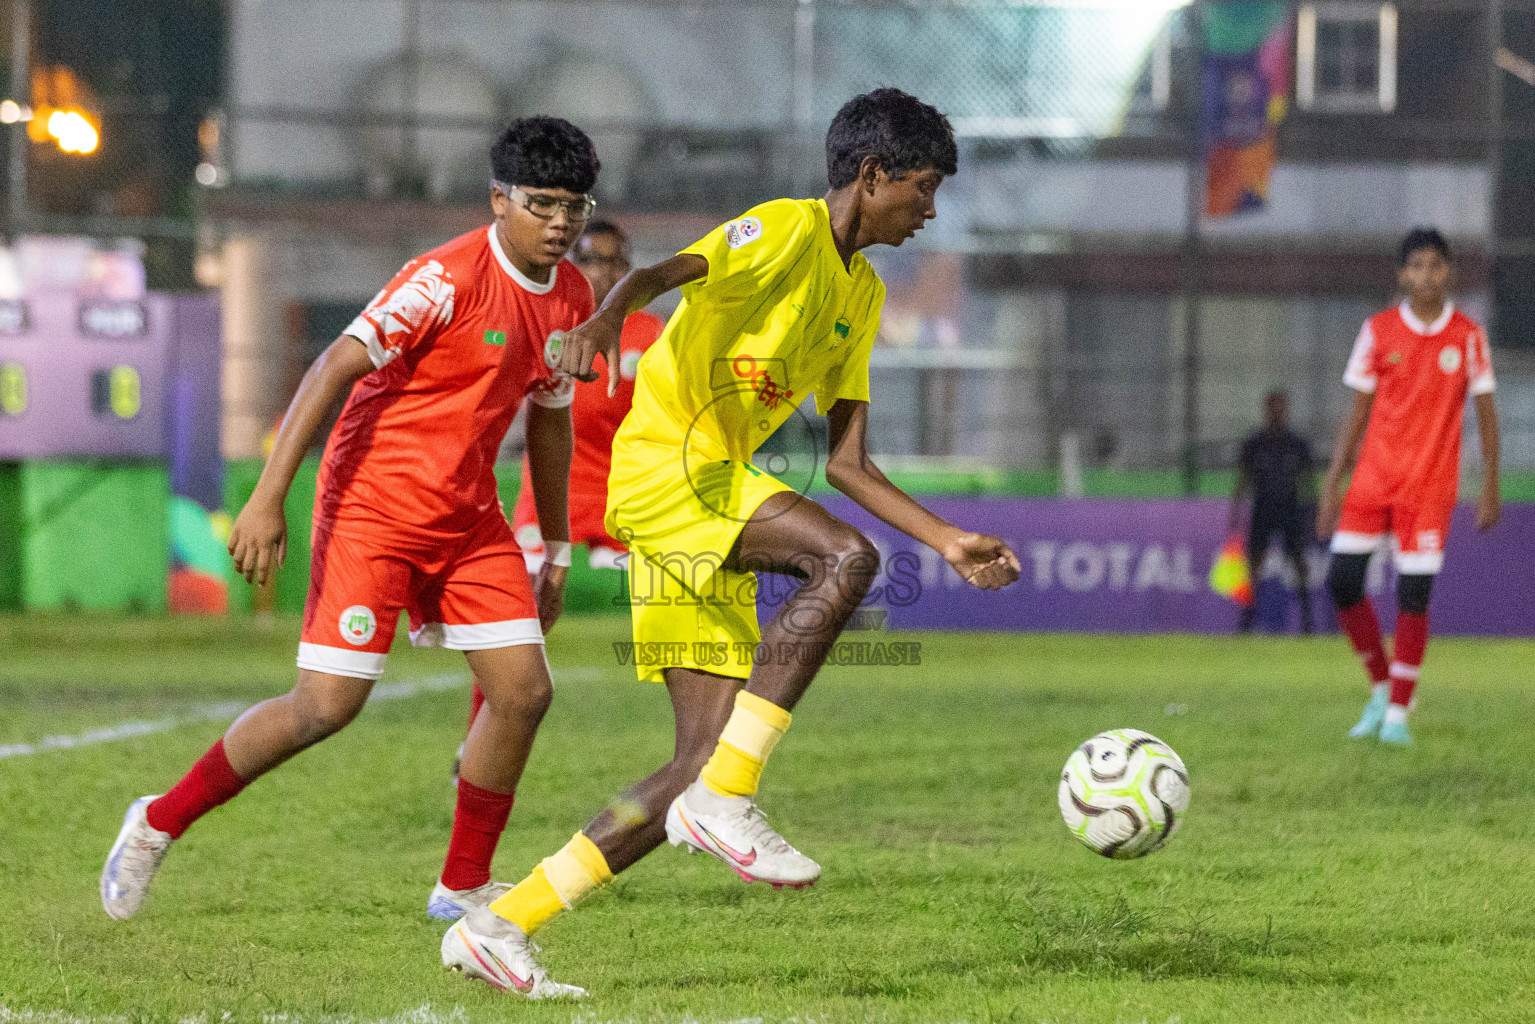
(629,365)
(495,337)
(1449,358)
(742,232)
(358,625)
(552,348)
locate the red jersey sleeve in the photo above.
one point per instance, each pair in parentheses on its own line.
(1479,363)
(1361,374)
(414,304)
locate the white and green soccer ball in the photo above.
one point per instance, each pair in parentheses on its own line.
(1123,793)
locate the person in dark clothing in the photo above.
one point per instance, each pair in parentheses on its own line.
(1276,467)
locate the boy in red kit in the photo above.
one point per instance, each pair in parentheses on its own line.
(407,516)
(1412,368)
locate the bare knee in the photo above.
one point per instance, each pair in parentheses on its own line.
(854,562)
(321,711)
(526,700)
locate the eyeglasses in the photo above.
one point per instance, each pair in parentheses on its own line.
(544,206)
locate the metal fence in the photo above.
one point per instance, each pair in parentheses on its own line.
(1074,119)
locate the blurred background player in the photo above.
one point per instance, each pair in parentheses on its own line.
(407,516)
(777,304)
(1412,367)
(602,253)
(1276,467)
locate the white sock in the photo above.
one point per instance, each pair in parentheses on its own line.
(1381,690)
(1396,714)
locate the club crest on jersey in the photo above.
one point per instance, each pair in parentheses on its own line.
(1449,359)
(742,232)
(552,348)
(629,365)
(843,327)
(358,625)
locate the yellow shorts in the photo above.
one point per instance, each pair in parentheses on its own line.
(689,611)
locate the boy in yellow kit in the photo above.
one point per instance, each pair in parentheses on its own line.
(775,305)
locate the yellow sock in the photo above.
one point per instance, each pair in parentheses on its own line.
(754,729)
(555,885)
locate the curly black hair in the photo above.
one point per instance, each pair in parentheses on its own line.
(902,131)
(1422,238)
(545,152)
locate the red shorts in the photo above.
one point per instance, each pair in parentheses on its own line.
(1418,530)
(586,527)
(469,592)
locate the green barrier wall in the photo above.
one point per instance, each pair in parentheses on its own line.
(85,534)
(10,536)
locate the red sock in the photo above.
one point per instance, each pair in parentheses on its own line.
(1411,642)
(210,782)
(1363,631)
(478,821)
(476,700)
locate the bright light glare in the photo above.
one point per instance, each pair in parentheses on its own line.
(206,174)
(74,133)
(10,112)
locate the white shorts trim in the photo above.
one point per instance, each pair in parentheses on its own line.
(480,637)
(1419,563)
(1345,543)
(604,557)
(340,662)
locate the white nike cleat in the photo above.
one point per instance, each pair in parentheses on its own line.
(449,904)
(487,946)
(132,864)
(733,829)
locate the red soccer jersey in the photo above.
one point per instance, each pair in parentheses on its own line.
(459,336)
(1420,375)
(596,416)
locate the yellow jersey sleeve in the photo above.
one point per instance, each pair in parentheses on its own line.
(850,380)
(746,254)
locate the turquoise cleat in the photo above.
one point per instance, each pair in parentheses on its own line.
(1374,714)
(1396,733)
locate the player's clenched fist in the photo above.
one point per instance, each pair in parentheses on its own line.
(983,561)
(258,541)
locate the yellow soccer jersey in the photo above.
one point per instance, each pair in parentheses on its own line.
(777,318)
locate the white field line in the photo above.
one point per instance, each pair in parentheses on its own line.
(229,710)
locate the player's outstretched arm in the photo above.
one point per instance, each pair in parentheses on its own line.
(982,560)
(635,291)
(1489,507)
(1329,502)
(551,440)
(258,541)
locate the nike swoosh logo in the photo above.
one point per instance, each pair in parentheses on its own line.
(745,860)
(520,984)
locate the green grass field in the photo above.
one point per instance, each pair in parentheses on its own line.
(1316,879)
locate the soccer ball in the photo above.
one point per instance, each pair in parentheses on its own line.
(1123,793)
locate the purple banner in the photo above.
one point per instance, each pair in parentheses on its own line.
(1143,566)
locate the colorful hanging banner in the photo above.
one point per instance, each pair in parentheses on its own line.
(1245,85)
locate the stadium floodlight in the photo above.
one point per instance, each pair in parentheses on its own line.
(73,131)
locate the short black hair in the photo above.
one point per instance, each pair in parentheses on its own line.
(1422,238)
(599,227)
(902,131)
(545,152)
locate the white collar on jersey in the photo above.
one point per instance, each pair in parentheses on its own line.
(524,282)
(1418,326)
